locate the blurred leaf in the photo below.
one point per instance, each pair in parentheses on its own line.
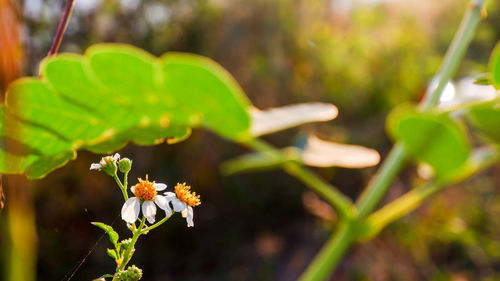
(260,161)
(320,153)
(431,138)
(494,66)
(113,236)
(487,120)
(281,118)
(45,164)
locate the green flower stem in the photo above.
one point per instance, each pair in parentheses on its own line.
(411,200)
(122,187)
(330,255)
(127,256)
(125,182)
(342,204)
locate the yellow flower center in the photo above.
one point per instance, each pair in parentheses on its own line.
(108,159)
(183,194)
(145,189)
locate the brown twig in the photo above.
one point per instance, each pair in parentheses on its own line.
(63,23)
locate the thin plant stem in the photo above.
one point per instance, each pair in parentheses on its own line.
(378,187)
(126,257)
(122,187)
(146,229)
(330,255)
(125,181)
(455,53)
(61,28)
(342,204)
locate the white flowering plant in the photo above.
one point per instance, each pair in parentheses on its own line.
(145,199)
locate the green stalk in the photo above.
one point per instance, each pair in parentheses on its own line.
(330,255)
(122,187)
(455,53)
(378,187)
(342,204)
(126,257)
(146,229)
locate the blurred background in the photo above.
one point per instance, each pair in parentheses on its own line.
(364,56)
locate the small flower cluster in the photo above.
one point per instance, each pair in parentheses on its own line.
(146,195)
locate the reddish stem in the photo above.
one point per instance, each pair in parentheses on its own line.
(63,23)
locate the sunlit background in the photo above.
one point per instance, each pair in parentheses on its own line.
(364,56)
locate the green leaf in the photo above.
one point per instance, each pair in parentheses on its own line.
(45,164)
(203,87)
(112,253)
(487,120)
(494,66)
(113,236)
(431,138)
(112,95)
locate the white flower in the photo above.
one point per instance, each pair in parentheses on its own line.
(183,200)
(105,161)
(145,192)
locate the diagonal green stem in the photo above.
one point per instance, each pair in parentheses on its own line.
(342,204)
(378,187)
(146,229)
(122,187)
(127,255)
(330,255)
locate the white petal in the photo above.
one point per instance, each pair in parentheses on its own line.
(178,205)
(162,202)
(160,186)
(102,162)
(149,210)
(132,188)
(170,195)
(116,156)
(188,214)
(130,210)
(95,166)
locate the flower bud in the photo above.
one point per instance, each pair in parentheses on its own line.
(124,165)
(131,274)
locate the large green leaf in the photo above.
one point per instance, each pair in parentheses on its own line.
(111,95)
(203,87)
(431,138)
